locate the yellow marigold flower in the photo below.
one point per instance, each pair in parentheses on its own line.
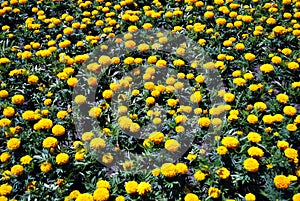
(80,99)
(132,29)
(255,152)
(50,142)
(97,143)
(17,99)
(272,21)
(254,137)
(181,168)
(72,82)
(252,119)
(293,65)
(150,101)
(227,43)
(172,102)
(26,55)
(13,144)
(58,130)
(296,197)
(152,59)
(247,18)
(292,178)
(6,175)
(279,30)
(261,106)
(46,167)
(276,60)
(68,30)
(74,194)
(130,44)
(129,60)
(168,170)
(4,122)
(33,79)
(286,51)
(236,73)
(161,63)
(250,197)
(43,112)
(131,187)
(294,85)
(196,97)
(17,170)
(209,14)
(291,153)
(291,127)
(200,79)
(172,145)
(289,110)
(266,68)
(268,119)
(286,2)
(62,158)
(25,160)
(156,137)
(282,144)
(229,142)
(85,197)
(43,124)
(191,197)
(221,21)
(5,189)
(219,2)
(120,198)
(134,127)
(62,114)
(249,56)
(3,94)
(179,129)
(204,122)
(124,122)
(239,81)
(223,173)
(101,194)
(214,192)
(297,119)
(62,75)
(79,156)
(191,157)
(251,165)
(281,181)
(155,172)
(95,112)
(107,94)
(92,81)
(104,60)
(222,150)
(4,157)
(4,61)
(9,111)
(147,26)
(143,188)
(240,46)
(229,97)
(127,165)
(47,102)
(282,98)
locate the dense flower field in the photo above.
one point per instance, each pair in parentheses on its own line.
(80,121)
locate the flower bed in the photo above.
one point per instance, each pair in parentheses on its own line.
(135,100)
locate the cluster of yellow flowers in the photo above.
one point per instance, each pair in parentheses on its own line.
(252,151)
